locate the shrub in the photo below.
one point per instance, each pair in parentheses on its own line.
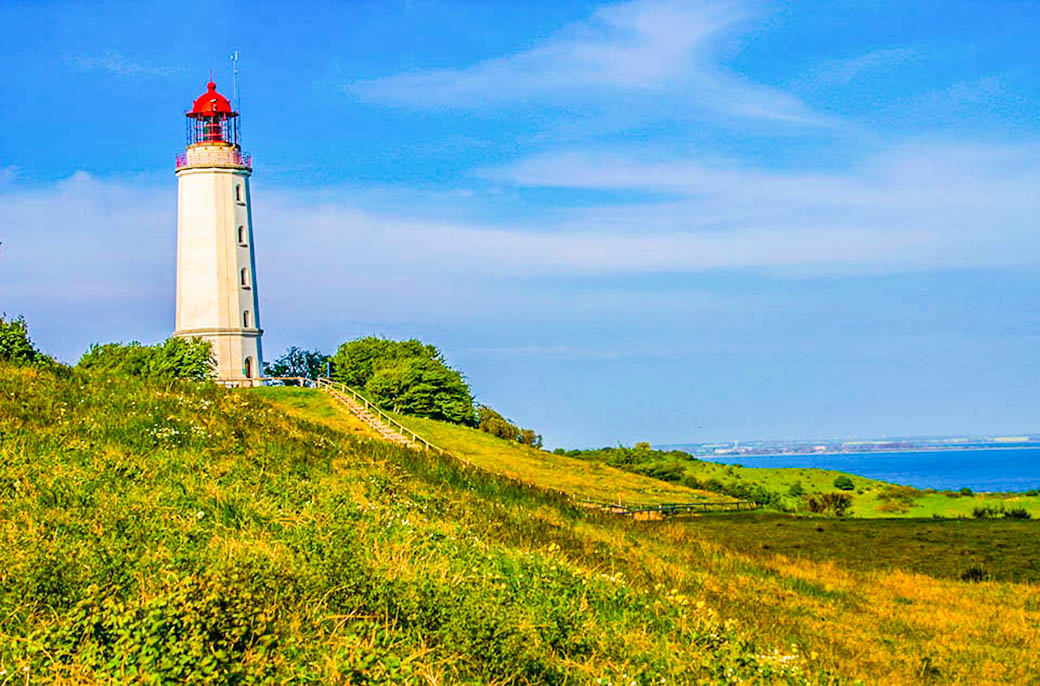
(16,346)
(495,424)
(668,471)
(1033,492)
(1017,513)
(844,483)
(967,492)
(176,358)
(796,490)
(984,512)
(409,377)
(974,574)
(836,504)
(897,498)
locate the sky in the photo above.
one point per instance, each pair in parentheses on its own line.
(656,220)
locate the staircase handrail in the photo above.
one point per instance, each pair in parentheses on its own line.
(326,382)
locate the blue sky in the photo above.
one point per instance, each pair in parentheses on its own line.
(653,220)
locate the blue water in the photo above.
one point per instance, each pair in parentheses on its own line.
(978,469)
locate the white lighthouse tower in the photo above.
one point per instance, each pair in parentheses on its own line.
(216,270)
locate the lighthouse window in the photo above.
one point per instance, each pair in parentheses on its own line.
(238,193)
(241,235)
(245,319)
(245,278)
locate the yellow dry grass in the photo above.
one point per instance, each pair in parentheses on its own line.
(580,478)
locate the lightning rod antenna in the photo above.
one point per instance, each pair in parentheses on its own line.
(234,81)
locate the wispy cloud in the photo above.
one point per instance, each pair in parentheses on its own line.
(120,65)
(845,71)
(98,254)
(654,48)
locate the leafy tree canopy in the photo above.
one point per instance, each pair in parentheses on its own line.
(176,358)
(409,377)
(17,347)
(309,364)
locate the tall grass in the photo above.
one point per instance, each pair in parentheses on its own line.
(181,533)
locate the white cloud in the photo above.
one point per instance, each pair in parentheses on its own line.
(655,48)
(102,251)
(119,64)
(845,71)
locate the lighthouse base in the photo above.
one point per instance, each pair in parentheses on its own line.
(236,352)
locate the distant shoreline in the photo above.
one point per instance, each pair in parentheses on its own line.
(898,451)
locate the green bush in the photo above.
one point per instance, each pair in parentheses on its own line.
(409,377)
(966,492)
(796,490)
(974,574)
(836,504)
(669,471)
(17,348)
(1017,513)
(844,483)
(490,421)
(176,358)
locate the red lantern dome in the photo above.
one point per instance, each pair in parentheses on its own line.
(212,120)
(210,102)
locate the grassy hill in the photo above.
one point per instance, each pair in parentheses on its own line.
(578,478)
(870,498)
(189,534)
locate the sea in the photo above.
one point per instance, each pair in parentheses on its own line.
(980,469)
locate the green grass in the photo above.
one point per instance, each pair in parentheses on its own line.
(184,533)
(580,478)
(315,406)
(1002,549)
(870,498)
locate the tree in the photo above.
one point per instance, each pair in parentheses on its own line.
(16,346)
(844,483)
(175,358)
(310,364)
(356,362)
(410,377)
(422,387)
(529,437)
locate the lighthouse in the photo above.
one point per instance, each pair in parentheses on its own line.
(216,269)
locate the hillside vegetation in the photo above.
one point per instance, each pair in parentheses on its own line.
(787,488)
(180,533)
(509,458)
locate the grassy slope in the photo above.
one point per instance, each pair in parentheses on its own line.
(581,478)
(317,407)
(866,496)
(202,535)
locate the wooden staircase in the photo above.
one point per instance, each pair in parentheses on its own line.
(359,410)
(380,422)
